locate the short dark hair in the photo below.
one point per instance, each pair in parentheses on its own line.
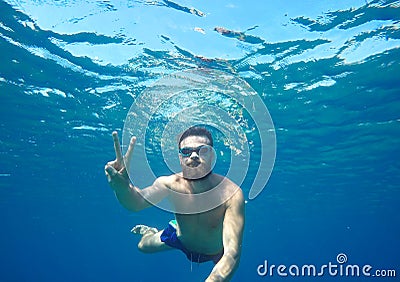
(196,131)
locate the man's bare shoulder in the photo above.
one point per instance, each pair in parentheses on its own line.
(233,189)
(229,184)
(169,181)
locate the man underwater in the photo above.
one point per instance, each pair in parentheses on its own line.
(213,235)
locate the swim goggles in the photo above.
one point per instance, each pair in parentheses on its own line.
(187,151)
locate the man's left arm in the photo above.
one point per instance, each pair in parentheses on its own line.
(232,239)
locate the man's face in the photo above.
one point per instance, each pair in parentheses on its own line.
(196,157)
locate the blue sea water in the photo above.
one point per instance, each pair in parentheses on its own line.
(328,71)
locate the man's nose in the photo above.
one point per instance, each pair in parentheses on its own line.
(194,155)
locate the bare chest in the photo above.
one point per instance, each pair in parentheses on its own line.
(206,221)
(202,232)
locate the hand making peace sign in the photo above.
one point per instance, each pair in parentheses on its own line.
(117,170)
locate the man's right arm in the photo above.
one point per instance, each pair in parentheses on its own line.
(131,198)
(135,199)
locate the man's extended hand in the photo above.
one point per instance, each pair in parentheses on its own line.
(116,171)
